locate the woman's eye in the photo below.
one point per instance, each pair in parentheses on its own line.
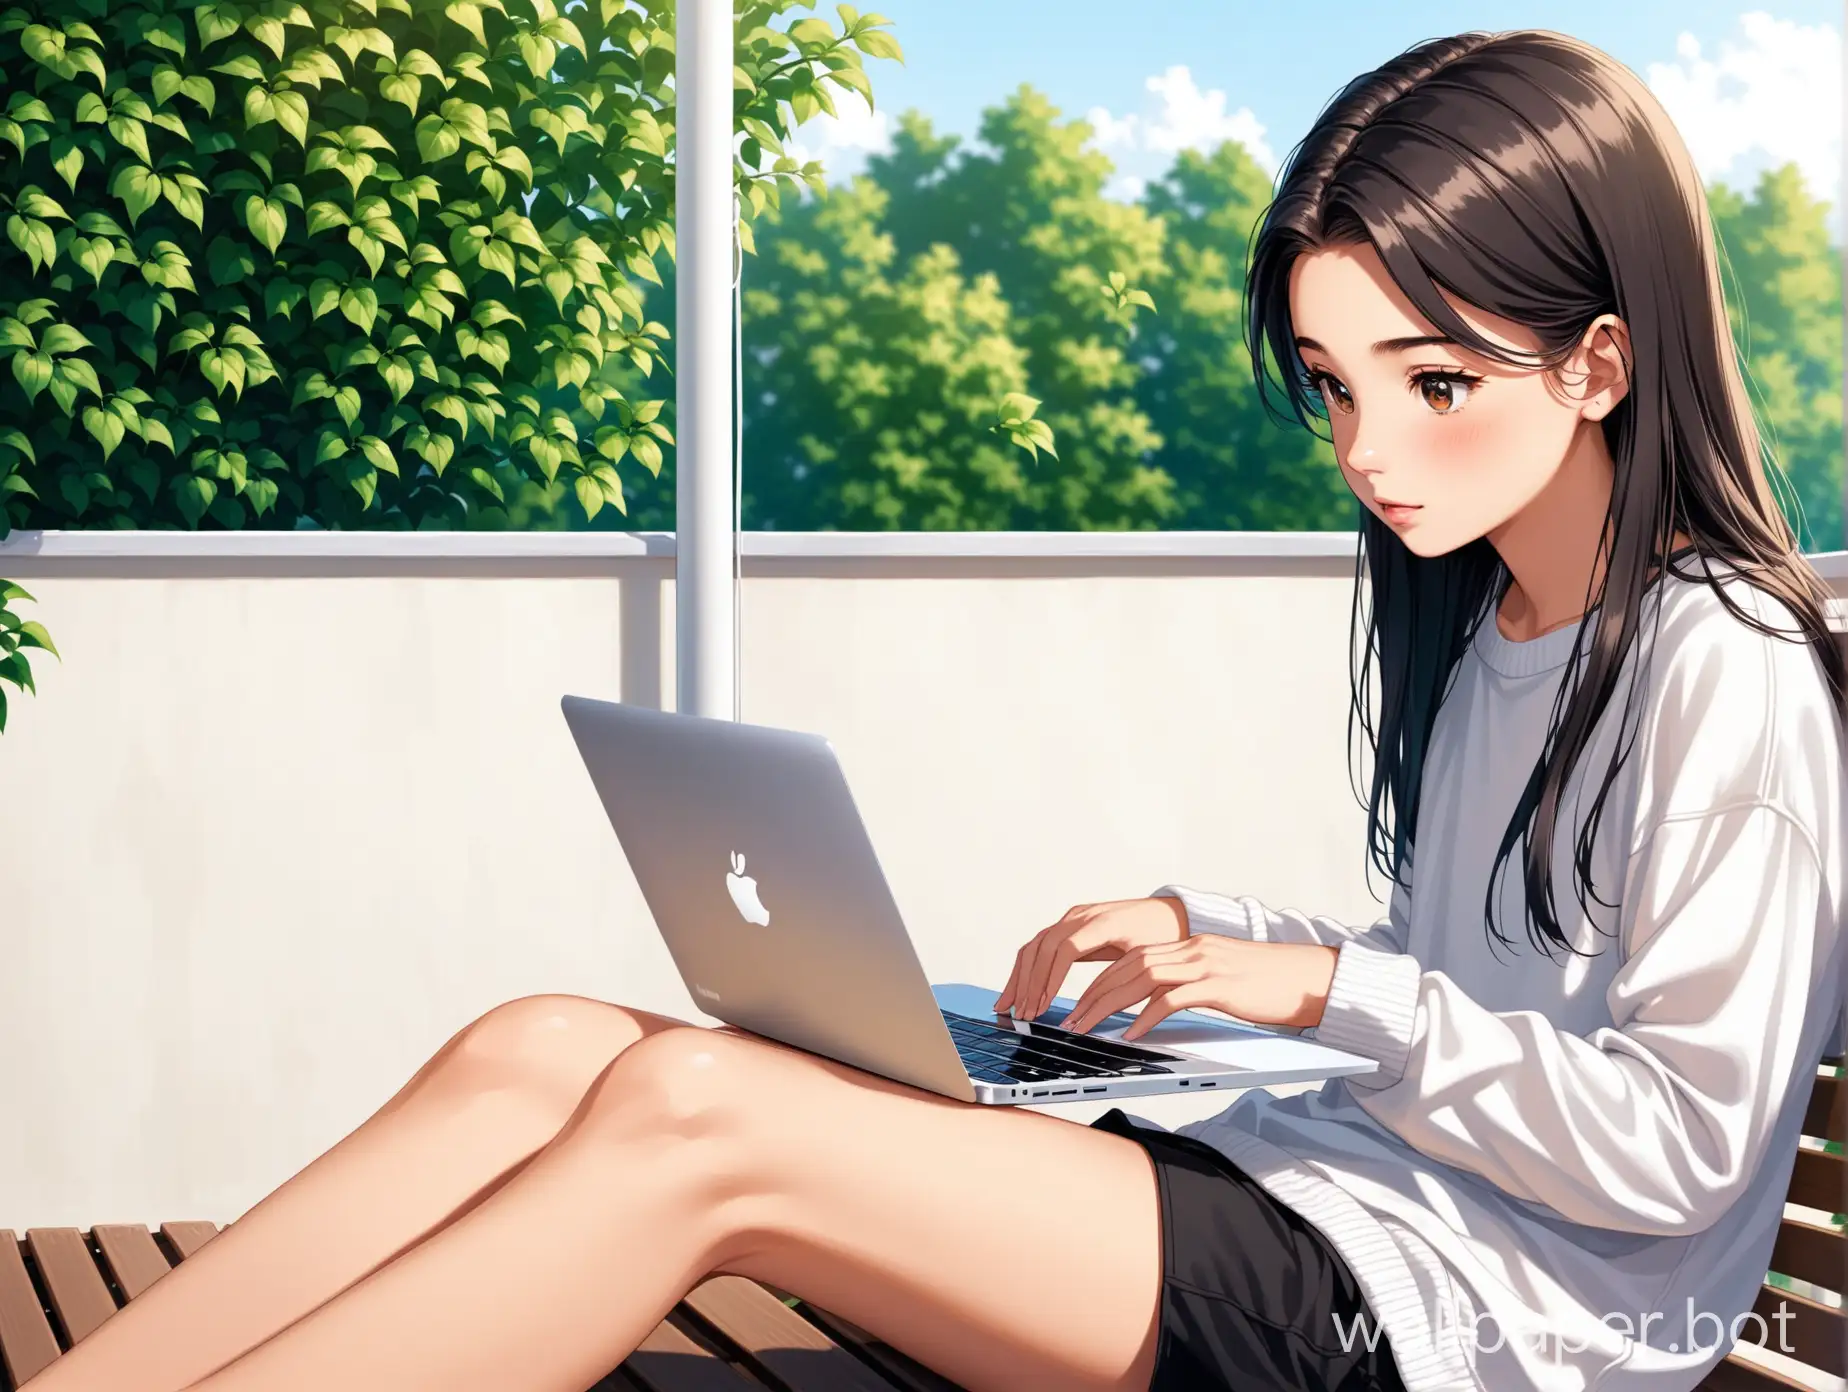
(1329,390)
(1444,392)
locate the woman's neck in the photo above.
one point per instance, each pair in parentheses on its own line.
(1551,547)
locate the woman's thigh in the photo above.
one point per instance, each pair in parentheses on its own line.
(1001,1247)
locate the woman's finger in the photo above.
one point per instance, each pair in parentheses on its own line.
(1027,989)
(1187,995)
(1013,977)
(1103,1004)
(1107,979)
(1124,984)
(1075,946)
(1020,980)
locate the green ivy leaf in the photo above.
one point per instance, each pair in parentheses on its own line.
(267,219)
(437,139)
(364,479)
(33,635)
(193,495)
(33,372)
(216,21)
(94,255)
(132,135)
(360,305)
(467,15)
(139,189)
(67,159)
(200,89)
(378,454)
(106,426)
(261,494)
(398,376)
(292,115)
(62,338)
(488,483)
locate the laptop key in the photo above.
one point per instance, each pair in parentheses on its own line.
(1010,1070)
(1051,1060)
(1052,1037)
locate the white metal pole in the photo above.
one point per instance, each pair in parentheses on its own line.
(703,398)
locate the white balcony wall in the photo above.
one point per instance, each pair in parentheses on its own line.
(293,809)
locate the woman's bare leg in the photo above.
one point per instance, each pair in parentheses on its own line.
(1002,1248)
(491,1098)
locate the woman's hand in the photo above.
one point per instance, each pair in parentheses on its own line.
(1265,983)
(1087,933)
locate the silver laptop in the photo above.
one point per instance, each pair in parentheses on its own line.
(761,877)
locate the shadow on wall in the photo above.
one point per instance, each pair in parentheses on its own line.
(642,591)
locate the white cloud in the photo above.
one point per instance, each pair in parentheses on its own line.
(1772,94)
(841,142)
(1176,116)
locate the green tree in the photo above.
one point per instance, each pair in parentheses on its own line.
(1026,206)
(873,395)
(1784,298)
(1235,467)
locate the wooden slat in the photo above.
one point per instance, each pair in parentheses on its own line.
(1815,1334)
(669,1360)
(78,1296)
(772,1336)
(134,1258)
(1734,1374)
(1827,1117)
(903,1372)
(1813,1252)
(27,1345)
(188,1238)
(1820,1181)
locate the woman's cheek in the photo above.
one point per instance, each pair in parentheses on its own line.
(1459,441)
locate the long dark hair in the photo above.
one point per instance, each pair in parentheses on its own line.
(1533,177)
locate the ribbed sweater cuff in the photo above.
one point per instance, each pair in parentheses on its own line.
(1217,913)
(1371,1010)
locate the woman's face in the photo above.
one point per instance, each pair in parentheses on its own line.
(1443,446)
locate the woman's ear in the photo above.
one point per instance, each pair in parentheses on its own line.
(1603,361)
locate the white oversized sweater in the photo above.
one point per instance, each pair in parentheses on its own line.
(1564,1168)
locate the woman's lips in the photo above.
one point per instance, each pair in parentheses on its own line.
(1398,512)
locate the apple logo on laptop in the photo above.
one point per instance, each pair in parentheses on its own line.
(744,893)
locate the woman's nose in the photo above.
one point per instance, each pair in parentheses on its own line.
(1364,459)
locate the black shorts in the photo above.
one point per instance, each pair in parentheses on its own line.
(1251,1292)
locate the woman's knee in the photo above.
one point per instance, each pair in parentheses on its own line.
(547,1048)
(686,1084)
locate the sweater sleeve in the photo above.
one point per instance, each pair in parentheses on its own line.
(1657,1124)
(1245,917)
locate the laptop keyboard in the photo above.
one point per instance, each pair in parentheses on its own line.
(1046,1054)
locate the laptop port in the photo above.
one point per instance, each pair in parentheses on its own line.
(1208,1085)
(1066,1092)
(1097,1089)
(1040,1093)
(1186,1081)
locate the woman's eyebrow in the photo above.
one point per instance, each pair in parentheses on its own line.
(1392,345)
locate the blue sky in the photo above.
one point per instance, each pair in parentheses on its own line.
(1747,87)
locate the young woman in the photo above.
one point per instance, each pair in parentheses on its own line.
(1605,708)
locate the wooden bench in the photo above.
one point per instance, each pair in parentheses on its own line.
(1810,1261)
(732,1335)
